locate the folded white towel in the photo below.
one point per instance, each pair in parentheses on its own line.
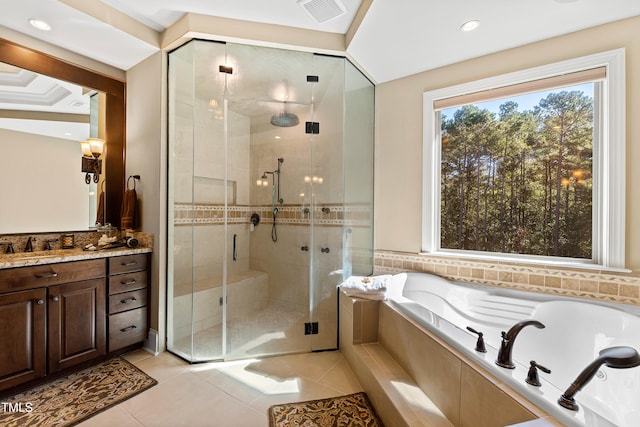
(374,287)
(366,287)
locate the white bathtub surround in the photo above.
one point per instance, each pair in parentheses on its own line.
(413,378)
(576,331)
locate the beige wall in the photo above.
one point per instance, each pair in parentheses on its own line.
(398,151)
(146,153)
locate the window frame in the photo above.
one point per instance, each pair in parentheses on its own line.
(608,240)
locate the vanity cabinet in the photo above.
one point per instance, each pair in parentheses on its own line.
(127,300)
(76,323)
(22,337)
(60,315)
(51,317)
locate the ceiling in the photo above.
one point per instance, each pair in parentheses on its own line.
(396,38)
(34,103)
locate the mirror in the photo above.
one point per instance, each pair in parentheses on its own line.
(33,197)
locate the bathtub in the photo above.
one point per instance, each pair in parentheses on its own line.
(576,330)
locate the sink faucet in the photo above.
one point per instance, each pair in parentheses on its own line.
(47,244)
(508,338)
(614,357)
(9,246)
(29,246)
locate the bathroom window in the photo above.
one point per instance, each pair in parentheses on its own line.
(529,165)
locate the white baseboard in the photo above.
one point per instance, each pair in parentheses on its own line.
(152,343)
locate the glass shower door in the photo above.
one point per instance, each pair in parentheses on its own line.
(270,198)
(327,176)
(342,180)
(197,194)
(269,101)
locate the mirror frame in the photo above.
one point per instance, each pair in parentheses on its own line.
(33,60)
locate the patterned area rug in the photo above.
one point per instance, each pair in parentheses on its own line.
(69,400)
(353,410)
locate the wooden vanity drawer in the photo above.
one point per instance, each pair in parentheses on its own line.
(127,282)
(20,278)
(127,301)
(127,328)
(126,263)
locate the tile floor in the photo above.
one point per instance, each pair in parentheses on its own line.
(221,394)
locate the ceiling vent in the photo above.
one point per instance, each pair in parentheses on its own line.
(323,10)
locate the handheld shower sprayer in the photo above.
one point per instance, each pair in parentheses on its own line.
(275,186)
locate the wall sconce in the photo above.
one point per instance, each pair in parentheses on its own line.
(91,163)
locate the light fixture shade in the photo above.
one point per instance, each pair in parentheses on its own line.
(97,146)
(86,149)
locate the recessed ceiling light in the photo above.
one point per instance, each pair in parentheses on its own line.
(39,24)
(470,25)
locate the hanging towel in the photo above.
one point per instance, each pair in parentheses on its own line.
(128,211)
(100,212)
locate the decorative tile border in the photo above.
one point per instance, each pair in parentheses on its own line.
(581,283)
(337,215)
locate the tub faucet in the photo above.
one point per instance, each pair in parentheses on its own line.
(508,338)
(614,357)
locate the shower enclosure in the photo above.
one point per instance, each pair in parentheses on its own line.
(270,198)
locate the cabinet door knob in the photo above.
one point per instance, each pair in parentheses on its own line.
(325,250)
(40,302)
(55,299)
(304,248)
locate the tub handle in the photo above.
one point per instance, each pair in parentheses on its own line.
(480,347)
(532,375)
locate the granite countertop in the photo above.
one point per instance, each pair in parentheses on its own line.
(26,259)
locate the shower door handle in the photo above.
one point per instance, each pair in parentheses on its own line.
(235,252)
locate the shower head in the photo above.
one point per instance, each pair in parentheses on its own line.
(285,119)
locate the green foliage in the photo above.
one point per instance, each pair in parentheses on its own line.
(520,182)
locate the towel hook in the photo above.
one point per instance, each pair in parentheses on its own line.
(135,177)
